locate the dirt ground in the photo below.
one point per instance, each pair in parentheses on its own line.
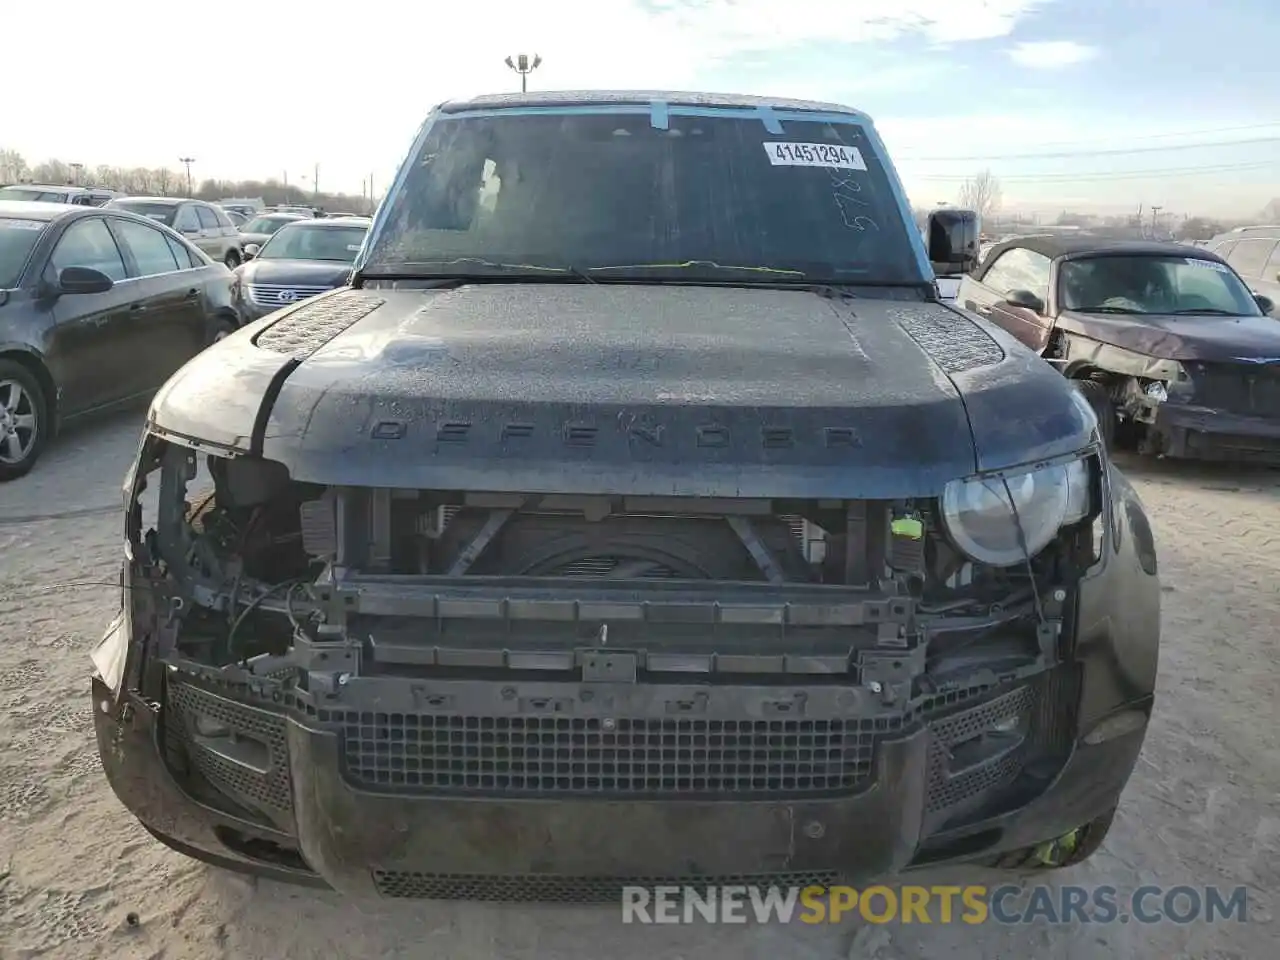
(1201,809)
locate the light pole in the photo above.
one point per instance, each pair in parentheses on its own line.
(524,66)
(187,162)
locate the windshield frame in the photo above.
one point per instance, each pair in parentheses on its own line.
(25,265)
(305,224)
(919,270)
(1214,265)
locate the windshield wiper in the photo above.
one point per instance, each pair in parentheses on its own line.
(1206,312)
(491,271)
(703,265)
(1110,310)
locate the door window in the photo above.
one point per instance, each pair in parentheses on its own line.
(186,221)
(1019,269)
(1271,272)
(184,255)
(88,243)
(208,220)
(149,247)
(1248,257)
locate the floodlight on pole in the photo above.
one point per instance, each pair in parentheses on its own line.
(524,66)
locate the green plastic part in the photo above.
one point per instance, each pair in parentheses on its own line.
(910,527)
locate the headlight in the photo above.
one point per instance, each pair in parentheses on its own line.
(980,519)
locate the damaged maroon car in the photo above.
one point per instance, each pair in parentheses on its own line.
(1176,355)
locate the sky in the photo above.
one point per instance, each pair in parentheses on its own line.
(1088,105)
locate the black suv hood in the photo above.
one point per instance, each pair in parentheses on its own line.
(654,390)
(300,272)
(1181,337)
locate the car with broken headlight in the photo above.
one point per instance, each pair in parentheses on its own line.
(1175,353)
(622,521)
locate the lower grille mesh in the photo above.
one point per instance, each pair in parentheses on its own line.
(440,753)
(270,788)
(546,888)
(946,733)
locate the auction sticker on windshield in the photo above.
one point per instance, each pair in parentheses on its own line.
(10,223)
(783,154)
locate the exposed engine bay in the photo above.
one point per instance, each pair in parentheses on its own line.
(264,576)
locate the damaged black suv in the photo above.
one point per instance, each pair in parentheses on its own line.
(638,513)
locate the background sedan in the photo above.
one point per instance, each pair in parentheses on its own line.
(98,307)
(302,260)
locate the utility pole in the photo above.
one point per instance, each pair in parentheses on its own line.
(1155,213)
(315,183)
(524,66)
(188,161)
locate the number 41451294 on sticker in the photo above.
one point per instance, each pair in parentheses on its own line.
(837,155)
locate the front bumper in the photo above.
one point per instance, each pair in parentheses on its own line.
(331,799)
(1201,433)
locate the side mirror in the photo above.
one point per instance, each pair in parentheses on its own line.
(251,250)
(83,280)
(1265,304)
(953,240)
(1025,299)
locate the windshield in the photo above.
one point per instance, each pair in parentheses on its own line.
(1154,284)
(267,225)
(17,239)
(612,196)
(299,242)
(161,212)
(27,193)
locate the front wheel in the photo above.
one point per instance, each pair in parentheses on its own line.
(23,420)
(222,328)
(1099,398)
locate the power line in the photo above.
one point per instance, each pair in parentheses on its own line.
(1162,136)
(1097,175)
(1098,153)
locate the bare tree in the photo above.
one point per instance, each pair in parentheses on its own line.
(12,166)
(1271,212)
(982,193)
(51,171)
(140,180)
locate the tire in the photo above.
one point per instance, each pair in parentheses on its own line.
(1099,399)
(232,259)
(222,328)
(24,415)
(1061,853)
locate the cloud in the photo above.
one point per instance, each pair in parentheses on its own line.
(1051,54)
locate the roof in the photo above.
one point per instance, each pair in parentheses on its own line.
(336,221)
(568,98)
(61,187)
(173,201)
(36,209)
(1058,246)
